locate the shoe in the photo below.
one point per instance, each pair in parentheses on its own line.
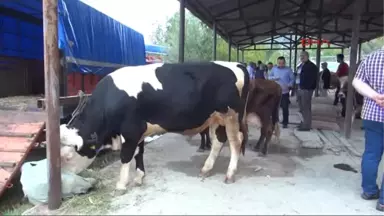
(366,196)
(285,126)
(380,207)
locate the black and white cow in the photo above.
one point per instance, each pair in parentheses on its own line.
(141,101)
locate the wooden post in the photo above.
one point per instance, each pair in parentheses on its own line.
(318,50)
(237,54)
(182,31)
(353,66)
(242,56)
(51,72)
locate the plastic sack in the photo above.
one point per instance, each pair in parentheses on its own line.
(34,181)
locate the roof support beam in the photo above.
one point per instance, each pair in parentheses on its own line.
(307,33)
(259,23)
(287,49)
(370,15)
(239,8)
(318,47)
(353,66)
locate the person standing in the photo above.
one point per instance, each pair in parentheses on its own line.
(284,76)
(308,79)
(251,70)
(260,70)
(341,73)
(369,82)
(326,77)
(268,70)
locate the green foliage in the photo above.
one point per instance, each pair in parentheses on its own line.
(199,43)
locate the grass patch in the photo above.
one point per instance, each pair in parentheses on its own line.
(16,209)
(96,202)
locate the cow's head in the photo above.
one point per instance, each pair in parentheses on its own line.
(76,155)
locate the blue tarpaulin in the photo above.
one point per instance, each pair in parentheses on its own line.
(92,41)
(155,49)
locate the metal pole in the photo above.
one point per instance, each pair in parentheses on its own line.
(237,54)
(359,56)
(182,31)
(229,49)
(318,48)
(342,51)
(214,42)
(51,73)
(352,59)
(290,51)
(295,64)
(242,56)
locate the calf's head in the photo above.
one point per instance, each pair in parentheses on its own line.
(76,155)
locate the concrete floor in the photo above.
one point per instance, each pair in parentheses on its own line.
(293,180)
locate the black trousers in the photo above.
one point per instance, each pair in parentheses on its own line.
(284,104)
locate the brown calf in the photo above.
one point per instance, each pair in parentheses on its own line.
(262,111)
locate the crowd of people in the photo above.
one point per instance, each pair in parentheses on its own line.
(368,81)
(287,79)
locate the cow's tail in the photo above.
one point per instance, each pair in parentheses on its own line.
(275,116)
(244,127)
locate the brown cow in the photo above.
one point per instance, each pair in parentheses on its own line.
(262,111)
(358,100)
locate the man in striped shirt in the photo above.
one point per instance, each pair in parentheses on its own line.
(369,82)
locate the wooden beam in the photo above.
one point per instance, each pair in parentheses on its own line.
(67,100)
(51,72)
(353,66)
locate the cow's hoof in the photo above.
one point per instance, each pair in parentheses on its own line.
(200,150)
(204,174)
(255,148)
(138,181)
(229,180)
(118,192)
(261,154)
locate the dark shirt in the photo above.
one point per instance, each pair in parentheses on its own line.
(326,77)
(259,73)
(308,76)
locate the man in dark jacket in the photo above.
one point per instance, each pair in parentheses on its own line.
(308,80)
(326,76)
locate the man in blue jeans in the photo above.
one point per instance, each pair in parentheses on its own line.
(369,81)
(284,76)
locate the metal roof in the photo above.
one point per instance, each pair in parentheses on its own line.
(248,22)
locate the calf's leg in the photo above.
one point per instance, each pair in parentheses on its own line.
(207,141)
(203,142)
(268,131)
(218,137)
(260,141)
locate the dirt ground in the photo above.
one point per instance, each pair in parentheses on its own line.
(292,180)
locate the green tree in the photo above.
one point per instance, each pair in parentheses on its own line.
(198,41)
